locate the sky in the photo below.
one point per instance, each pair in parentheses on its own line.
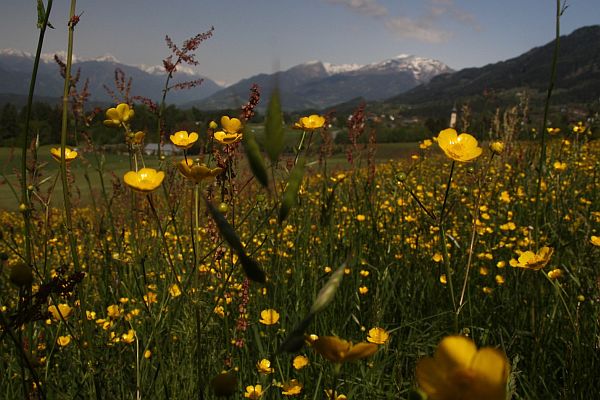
(263,36)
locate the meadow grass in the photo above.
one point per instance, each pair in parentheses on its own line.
(200,316)
(243,278)
(115,165)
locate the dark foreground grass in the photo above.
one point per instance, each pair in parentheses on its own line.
(158,317)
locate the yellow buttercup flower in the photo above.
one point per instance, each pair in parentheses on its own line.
(118,115)
(137,137)
(497,147)
(535,261)
(264,366)
(579,128)
(63,309)
(231,130)
(114,311)
(555,273)
(559,166)
(128,337)
(253,392)
(291,388)
(269,317)
(300,362)
(227,138)
(145,180)
(63,341)
(458,370)
(425,144)
(334,396)
(197,172)
(461,147)
(378,336)
(183,139)
(310,123)
(69,154)
(174,290)
(595,240)
(339,350)
(231,125)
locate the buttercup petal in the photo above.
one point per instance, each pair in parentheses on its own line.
(446,137)
(455,352)
(432,379)
(332,348)
(361,350)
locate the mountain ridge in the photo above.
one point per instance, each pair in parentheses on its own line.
(577,78)
(317,84)
(147,81)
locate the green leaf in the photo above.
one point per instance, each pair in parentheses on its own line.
(274,127)
(295,340)
(255,159)
(327,292)
(251,267)
(41,14)
(290,196)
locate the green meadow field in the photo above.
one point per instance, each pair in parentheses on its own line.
(279,257)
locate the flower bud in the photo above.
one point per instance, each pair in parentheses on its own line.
(497,147)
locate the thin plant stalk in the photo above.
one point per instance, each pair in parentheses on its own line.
(63,139)
(542,162)
(473,232)
(445,254)
(25,144)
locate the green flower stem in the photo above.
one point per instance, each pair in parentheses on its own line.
(24,192)
(473,231)
(447,192)
(194,224)
(299,149)
(24,357)
(165,244)
(445,247)
(542,162)
(316,394)
(63,141)
(63,172)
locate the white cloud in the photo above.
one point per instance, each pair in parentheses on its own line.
(366,7)
(446,9)
(425,28)
(421,30)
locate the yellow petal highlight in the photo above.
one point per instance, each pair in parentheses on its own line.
(145,180)
(463,147)
(459,371)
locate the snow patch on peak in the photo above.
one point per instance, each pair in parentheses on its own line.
(160,70)
(333,69)
(106,58)
(423,69)
(15,52)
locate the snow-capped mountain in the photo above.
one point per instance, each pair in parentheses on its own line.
(313,84)
(317,84)
(422,68)
(333,69)
(147,81)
